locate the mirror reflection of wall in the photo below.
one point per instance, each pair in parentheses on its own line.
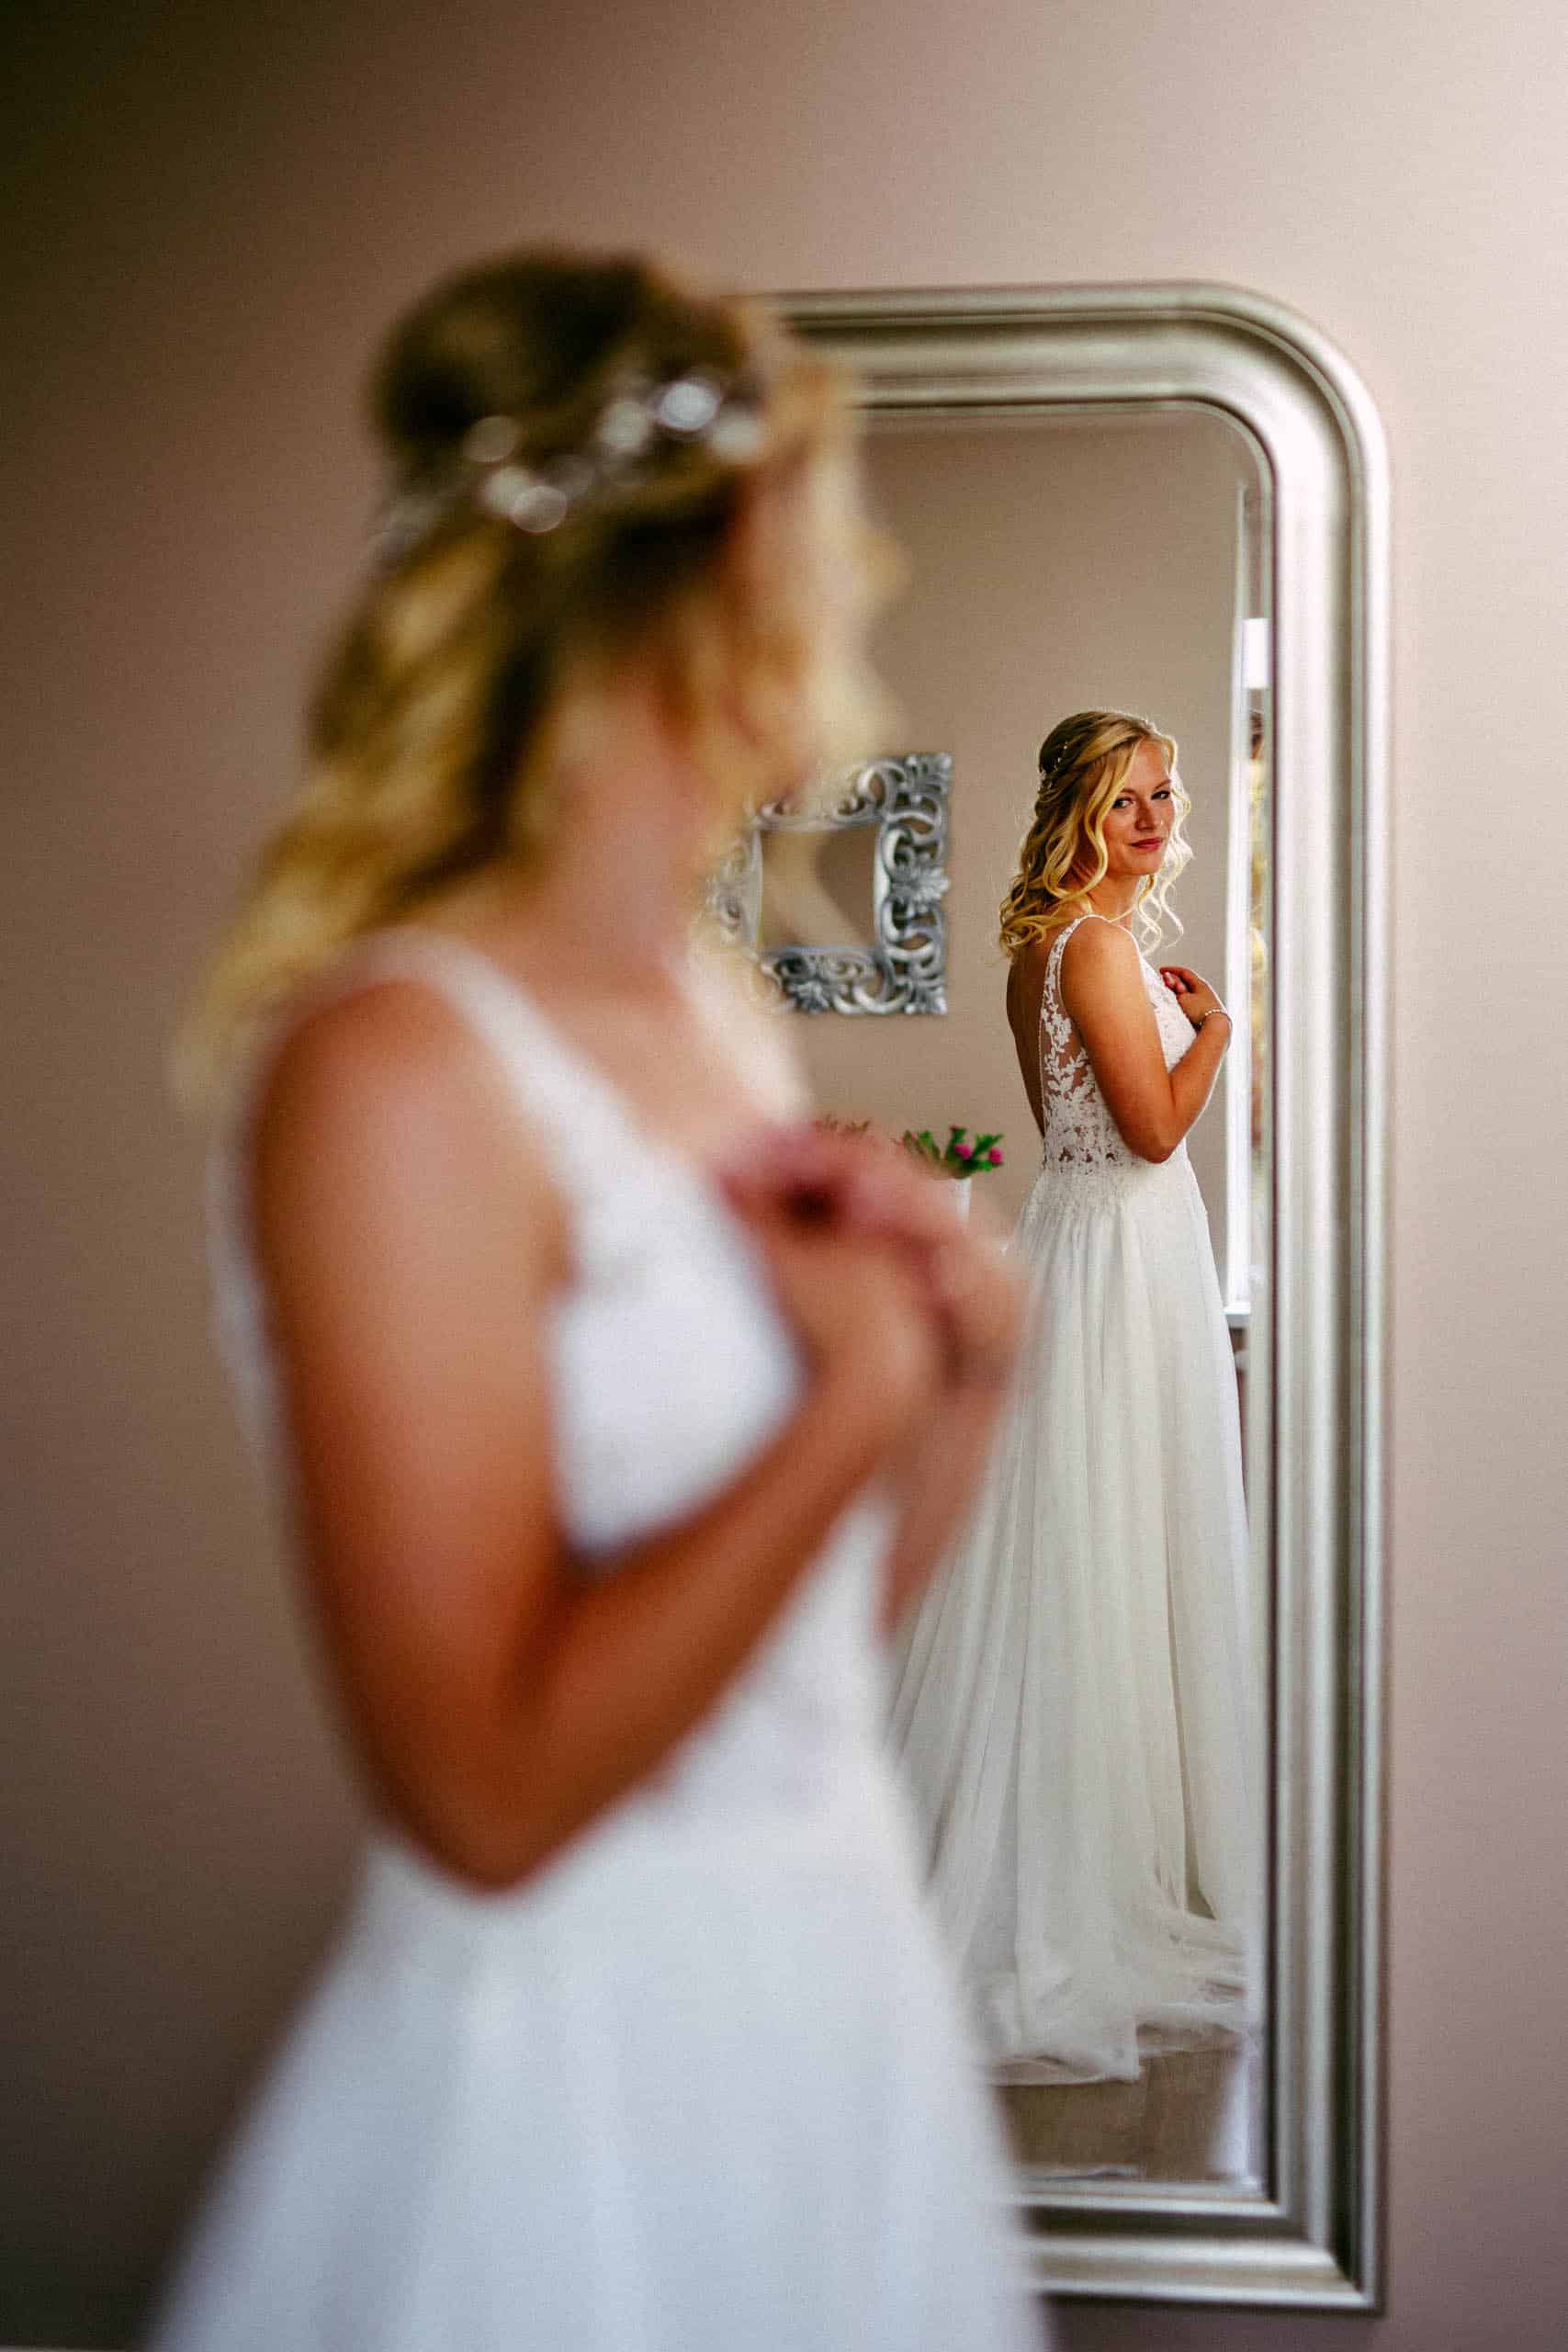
(818,888)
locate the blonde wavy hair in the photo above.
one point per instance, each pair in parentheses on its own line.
(1084,763)
(441,712)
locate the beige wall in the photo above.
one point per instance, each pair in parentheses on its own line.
(215,208)
(1051,568)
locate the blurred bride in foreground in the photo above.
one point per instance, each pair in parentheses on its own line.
(617,1413)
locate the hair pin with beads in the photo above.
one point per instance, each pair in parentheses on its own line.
(640,422)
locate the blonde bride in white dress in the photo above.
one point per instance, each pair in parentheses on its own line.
(1074,1708)
(607,1465)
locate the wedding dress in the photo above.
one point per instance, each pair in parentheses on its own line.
(704,2080)
(1073,1706)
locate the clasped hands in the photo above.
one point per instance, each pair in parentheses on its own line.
(866,1254)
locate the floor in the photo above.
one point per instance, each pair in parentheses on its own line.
(1191,2115)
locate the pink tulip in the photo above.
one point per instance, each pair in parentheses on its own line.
(963,1150)
(994,1156)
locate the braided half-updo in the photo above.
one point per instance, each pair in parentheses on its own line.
(632,409)
(1084,763)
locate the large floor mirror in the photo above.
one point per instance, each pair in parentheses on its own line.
(1169,502)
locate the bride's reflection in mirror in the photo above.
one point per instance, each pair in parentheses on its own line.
(1074,1704)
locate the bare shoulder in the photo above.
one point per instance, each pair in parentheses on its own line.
(1101,958)
(389,1058)
(1026,984)
(1097,945)
(384,1104)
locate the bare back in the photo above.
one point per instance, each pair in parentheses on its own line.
(1025,991)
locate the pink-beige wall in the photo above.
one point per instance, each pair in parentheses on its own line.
(211,211)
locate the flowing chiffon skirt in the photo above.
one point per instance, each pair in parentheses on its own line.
(702,2087)
(1073,1706)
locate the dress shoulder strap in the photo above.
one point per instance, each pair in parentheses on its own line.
(554,1088)
(1054,962)
(574,1115)
(567,1103)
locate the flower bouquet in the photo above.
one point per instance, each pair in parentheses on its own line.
(962,1155)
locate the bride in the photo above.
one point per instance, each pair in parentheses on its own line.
(614,1413)
(1072,1707)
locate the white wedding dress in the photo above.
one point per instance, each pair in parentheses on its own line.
(1073,1709)
(704,2081)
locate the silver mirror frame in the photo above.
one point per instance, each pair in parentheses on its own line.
(1312,2238)
(905,797)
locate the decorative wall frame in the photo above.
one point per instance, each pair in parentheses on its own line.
(905,798)
(1309,2235)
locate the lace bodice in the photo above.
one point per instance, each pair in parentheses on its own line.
(1077,1128)
(671,1366)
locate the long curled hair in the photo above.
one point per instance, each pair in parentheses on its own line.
(439,717)
(1084,763)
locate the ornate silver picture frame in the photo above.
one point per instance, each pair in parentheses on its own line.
(904,968)
(1308,2234)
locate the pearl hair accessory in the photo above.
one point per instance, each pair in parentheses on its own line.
(639,422)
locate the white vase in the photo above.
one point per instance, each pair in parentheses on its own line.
(961,1187)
